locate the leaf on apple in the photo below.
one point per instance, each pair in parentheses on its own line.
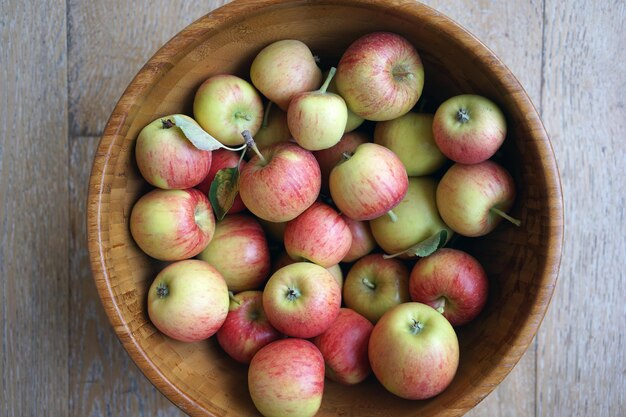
(199,137)
(425,247)
(223,191)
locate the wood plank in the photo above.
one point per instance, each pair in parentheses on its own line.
(513,31)
(109,42)
(34,219)
(582,366)
(103,380)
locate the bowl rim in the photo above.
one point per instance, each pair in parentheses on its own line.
(236,11)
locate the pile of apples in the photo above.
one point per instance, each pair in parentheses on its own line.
(310,196)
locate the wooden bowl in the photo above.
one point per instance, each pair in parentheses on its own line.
(522,263)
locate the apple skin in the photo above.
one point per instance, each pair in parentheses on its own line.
(317,120)
(467,193)
(246,329)
(418,218)
(362,239)
(275,131)
(318,235)
(414,366)
(167,159)
(302,300)
(390,277)
(451,281)
(353,121)
(240,252)
(171,225)
(223,158)
(369,184)
(380,76)
(472,136)
(274,231)
(286,379)
(226,105)
(411,138)
(282,187)
(284,259)
(328,158)
(283,69)
(188,300)
(344,347)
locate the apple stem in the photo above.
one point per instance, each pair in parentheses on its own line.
(330,76)
(346,155)
(250,144)
(162,290)
(231,295)
(500,213)
(393,216)
(462,116)
(369,284)
(416,327)
(440,304)
(167,123)
(242,115)
(266,114)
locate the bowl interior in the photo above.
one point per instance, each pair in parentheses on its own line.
(522,263)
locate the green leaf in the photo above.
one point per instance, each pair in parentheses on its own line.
(197,136)
(223,191)
(425,247)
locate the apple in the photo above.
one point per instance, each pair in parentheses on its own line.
(414,351)
(240,252)
(328,158)
(354,121)
(282,184)
(222,158)
(188,300)
(274,231)
(418,218)
(284,259)
(344,347)
(274,128)
(451,281)
(302,300)
(374,285)
(380,76)
(369,183)
(318,235)
(166,158)
(317,119)
(469,128)
(246,329)
(472,199)
(225,105)
(172,225)
(286,378)
(283,69)
(411,138)
(362,239)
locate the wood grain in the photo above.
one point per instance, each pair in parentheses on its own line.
(34,221)
(582,360)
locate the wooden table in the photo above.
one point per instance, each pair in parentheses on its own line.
(63,65)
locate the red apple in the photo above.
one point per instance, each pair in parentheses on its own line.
(344,347)
(362,239)
(188,300)
(284,259)
(282,185)
(240,252)
(166,158)
(318,235)
(302,300)
(246,329)
(468,128)
(451,281)
(328,158)
(223,158)
(374,285)
(283,69)
(172,225)
(414,351)
(472,199)
(286,378)
(380,76)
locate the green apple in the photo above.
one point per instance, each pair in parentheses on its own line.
(354,121)
(274,128)
(411,138)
